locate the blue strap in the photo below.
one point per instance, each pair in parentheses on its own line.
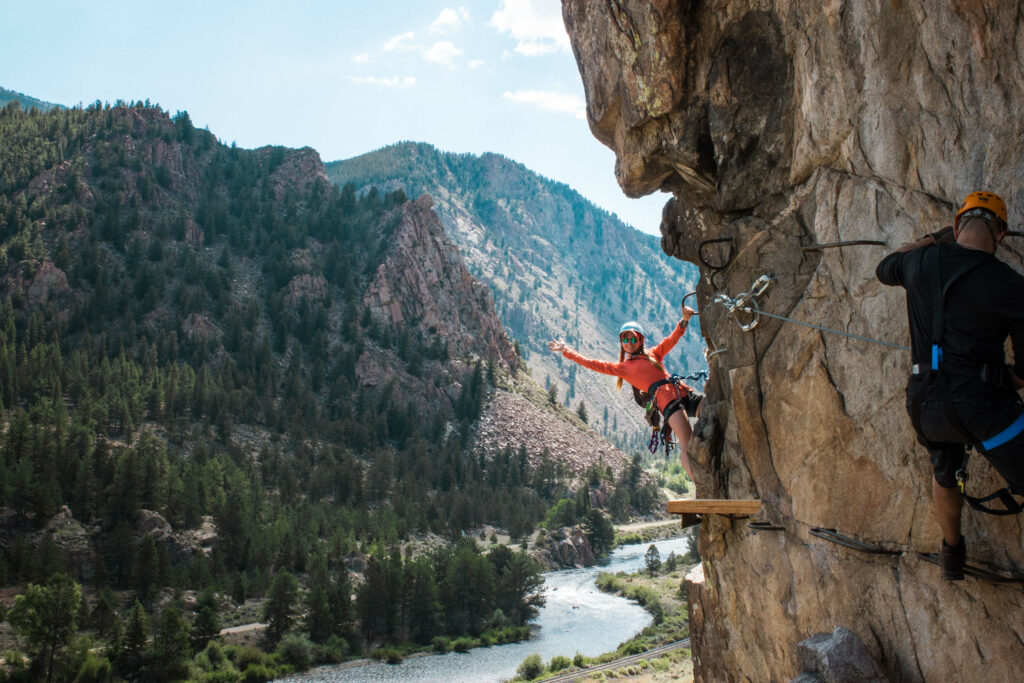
(936,356)
(1007,434)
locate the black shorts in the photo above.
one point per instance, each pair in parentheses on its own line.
(690,403)
(947,450)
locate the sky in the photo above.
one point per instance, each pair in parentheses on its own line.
(344,77)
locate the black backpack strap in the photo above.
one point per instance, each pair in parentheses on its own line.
(1005,496)
(934,378)
(939,290)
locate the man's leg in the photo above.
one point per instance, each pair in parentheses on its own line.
(946,460)
(949,506)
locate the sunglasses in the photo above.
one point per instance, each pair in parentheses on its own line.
(630,340)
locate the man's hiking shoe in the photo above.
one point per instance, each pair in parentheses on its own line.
(953,558)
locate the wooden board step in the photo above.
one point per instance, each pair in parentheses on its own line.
(743,508)
(691,510)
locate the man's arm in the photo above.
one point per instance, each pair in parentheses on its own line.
(889,270)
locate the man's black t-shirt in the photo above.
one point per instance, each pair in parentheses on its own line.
(982,308)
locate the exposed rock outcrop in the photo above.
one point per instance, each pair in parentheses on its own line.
(786,125)
(423,286)
(509,421)
(837,657)
(568,547)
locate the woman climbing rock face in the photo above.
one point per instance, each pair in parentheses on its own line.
(645,371)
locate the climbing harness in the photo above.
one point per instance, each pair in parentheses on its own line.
(933,385)
(850,542)
(1005,495)
(747,303)
(661,433)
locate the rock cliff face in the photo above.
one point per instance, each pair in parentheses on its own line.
(423,285)
(785,125)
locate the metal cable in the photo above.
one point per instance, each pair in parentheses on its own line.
(758,311)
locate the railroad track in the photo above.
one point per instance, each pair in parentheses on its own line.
(619,663)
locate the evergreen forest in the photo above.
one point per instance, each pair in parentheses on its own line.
(182,423)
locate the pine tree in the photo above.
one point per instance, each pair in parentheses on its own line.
(171,647)
(652,559)
(206,625)
(47,618)
(279,610)
(135,637)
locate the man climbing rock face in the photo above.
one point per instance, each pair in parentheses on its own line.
(962,304)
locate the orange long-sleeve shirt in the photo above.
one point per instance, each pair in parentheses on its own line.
(638,370)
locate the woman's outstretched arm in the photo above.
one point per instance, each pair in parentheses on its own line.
(601,366)
(669,342)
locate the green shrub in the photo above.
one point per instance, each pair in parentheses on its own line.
(297,650)
(391,655)
(214,653)
(441,644)
(220,676)
(661,664)
(245,655)
(333,651)
(94,669)
(463,644)
(579,661)
(558,663)
(531,667)
(258,673)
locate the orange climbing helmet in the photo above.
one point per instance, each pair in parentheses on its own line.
(986,201)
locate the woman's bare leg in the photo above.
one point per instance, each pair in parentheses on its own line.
(680,424)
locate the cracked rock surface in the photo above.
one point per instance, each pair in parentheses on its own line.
(786,125)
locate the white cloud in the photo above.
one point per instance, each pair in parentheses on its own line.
(536,25)
(400,42)
(442,52)
(449,19)
(476,63)
(393,82)
(362,58)
(535,48)
(549,100)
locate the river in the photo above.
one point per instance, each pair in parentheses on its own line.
(577,618)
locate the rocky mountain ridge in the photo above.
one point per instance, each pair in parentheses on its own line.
(422,285)
(557,266)
(779,128)
(225,325)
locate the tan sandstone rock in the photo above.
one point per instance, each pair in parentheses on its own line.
(784,125)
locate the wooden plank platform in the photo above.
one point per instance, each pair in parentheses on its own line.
(742,508)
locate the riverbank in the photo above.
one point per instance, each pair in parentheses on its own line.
(661,593)
(577,620)
(647,531)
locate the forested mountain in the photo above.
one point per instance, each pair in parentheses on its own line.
(24,101)
(557,265)
(216,367)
